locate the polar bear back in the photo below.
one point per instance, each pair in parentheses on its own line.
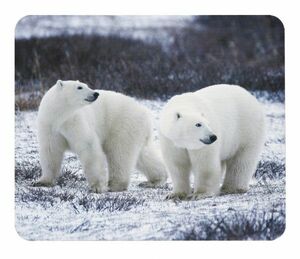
(117,114)
(238,113)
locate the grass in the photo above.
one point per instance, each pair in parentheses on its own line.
(31,171)
(236,225)
(115,203)
(244,50)
(269,170)
(28,172)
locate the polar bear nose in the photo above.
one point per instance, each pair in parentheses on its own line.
(212,138)
(96,95)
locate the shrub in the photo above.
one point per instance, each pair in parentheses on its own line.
(245,50)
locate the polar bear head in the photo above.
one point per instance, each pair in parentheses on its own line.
(75,94)
(186,129)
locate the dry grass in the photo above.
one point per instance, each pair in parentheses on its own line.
(244,50)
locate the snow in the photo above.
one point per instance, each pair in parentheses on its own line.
(69,211)
(144,27)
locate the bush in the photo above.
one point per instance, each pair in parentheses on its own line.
(124,65)
(238,225)
(245,50)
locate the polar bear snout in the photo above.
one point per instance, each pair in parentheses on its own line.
(211,139)
(92,98)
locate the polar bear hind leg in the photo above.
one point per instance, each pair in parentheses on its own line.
(150,163)
(121,160)
(240,170)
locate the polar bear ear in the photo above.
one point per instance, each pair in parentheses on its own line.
(178,115)
(59,83)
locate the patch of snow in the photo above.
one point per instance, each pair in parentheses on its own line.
(68,211)
(144,27)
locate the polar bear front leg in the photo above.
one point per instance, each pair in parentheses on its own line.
(178,165)
(52,148)
(92,159)
(207,175)
(180,176)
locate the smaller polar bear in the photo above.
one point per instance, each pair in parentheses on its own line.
(217,133)
(96,125)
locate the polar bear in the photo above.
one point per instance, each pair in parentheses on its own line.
(97,125)
(217,133)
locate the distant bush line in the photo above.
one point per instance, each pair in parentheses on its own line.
(244,50)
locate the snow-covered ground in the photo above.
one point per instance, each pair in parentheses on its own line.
(69,211)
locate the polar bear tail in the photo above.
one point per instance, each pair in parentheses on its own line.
(151,164)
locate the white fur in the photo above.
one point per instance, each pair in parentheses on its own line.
(113,127)
(226,111)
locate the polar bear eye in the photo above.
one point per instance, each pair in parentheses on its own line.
(79,87)
(198,125)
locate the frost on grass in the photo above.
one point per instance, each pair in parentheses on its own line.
(69,211)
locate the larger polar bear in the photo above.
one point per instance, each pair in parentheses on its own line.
(96,125)
(216,132)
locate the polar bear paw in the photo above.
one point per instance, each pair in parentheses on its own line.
(200,196)
(229,190)
(44,182)
(98,188)
(115,186)
(176,196)
(155,184)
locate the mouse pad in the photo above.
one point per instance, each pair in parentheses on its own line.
(149,128)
